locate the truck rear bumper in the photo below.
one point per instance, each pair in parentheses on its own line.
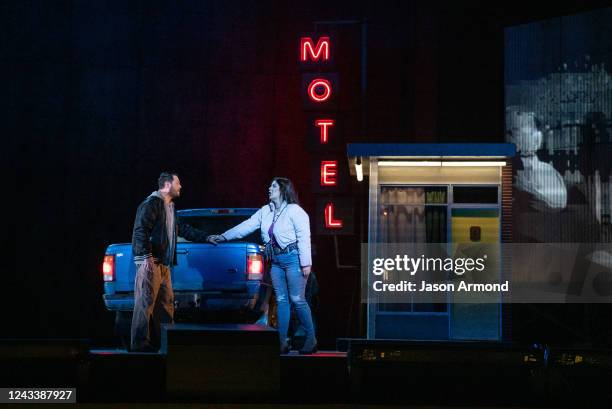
(199,300)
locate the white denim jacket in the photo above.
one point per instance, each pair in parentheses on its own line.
(293,225)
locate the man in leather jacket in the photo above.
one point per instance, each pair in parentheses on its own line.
(154,238)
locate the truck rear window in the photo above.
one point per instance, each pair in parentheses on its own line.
(217,224)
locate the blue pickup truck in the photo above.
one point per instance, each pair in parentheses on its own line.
(223,279)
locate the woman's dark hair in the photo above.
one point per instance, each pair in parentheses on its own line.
(287,191)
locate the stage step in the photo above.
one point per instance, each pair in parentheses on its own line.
(120,376)
(315,378)
(220,362)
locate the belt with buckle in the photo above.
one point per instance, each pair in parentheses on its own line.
(277,250)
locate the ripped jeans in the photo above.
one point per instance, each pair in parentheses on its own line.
(289,286)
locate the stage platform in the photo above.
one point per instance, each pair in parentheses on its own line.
(241,364)
(120,376)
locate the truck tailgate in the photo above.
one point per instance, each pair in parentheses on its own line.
(125,269)
(210,268)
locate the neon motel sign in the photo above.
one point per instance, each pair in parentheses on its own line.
(319,90)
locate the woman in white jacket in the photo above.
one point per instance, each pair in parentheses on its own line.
(285,228)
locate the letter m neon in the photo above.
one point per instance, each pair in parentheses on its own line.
(309,52)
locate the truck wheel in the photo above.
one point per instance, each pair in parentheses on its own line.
(123,326)
(260,312)
(263,319)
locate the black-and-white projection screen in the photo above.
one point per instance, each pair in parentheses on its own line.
(558,101)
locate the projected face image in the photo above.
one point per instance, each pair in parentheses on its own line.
(537,178)
(558,92)
(523,132)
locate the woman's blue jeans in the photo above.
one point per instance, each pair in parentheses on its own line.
(289,286)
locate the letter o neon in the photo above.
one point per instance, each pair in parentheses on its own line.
(312,90)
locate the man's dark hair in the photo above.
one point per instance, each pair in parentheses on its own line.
(165,177)
(287,190)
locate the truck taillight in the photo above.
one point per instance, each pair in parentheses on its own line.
(108,268)
(255,267)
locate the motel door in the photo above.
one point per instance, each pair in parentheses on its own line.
(447,214)
(475,232)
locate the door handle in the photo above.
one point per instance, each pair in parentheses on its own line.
(183,251)
(232,270)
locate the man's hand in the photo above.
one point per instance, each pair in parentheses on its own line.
(306,270)
(150,264)
(215,239)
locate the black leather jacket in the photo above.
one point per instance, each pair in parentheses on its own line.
(150,237)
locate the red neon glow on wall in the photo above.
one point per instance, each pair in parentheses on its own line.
(330,223)
(324,124)
(315,87)
(321,51)
(329,172)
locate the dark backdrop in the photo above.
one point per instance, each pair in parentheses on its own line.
(100,96)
